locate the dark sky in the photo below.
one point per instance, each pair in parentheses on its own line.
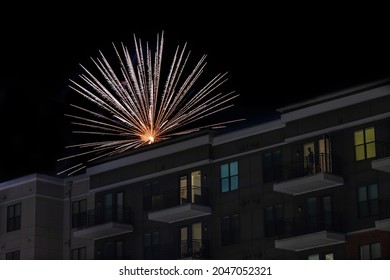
(274,56)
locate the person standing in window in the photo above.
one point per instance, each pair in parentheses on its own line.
(310,161)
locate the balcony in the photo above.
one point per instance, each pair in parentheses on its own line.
(103,222)
(179,205)
(384,216)
(296,177)
(195,249)
(382,160)
(303,233)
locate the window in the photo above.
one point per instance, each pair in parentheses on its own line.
(273,216)
(364,143)
(368,201)
(79,254)
(152,196)
(322,256)
(15,255)
(230,229)
(229,176)
(313,257)
(112,250)
(272,166)
(14,213)
(79,213)
(370,251)
(151,245)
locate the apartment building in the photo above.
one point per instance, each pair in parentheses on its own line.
(312,183)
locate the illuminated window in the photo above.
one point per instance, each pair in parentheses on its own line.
(370,251)
(313,257)
(368,201)
(14,213)
(229,176)
(322,256)
(364,143)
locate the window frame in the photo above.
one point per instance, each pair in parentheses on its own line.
(230,180)
(14,222)
(368,202)
(364,144)
(231,234)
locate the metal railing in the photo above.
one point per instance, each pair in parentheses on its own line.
(300,167)
(195,248)
(118,214)
(179,196)
(384,209)
(382,148)
(296,226)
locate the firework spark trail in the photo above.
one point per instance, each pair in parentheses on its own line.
(136,111)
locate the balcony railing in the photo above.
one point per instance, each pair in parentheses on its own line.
(179,196)
(118,214)
(195,248)
(384,209)
(381,161)
(329,221)
(382,148)
(383,223)
(179,205)
(323,163)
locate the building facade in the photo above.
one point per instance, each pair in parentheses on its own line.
(311,184)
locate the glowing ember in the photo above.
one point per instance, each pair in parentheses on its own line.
(136,107)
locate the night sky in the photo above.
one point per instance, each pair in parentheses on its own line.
(273,57)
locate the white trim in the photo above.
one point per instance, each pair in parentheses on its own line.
(337,127)
(29,179)
(247,132)
(361,231)
(336,104)
(20,199)
(147,155)
(150,176)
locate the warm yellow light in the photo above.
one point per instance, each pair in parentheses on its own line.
(148,137)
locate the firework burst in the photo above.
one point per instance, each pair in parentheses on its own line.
(136,107)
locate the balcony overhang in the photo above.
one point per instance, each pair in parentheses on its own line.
(103,230)
(382,164)
(309,241)
(383,224)
(180,213)
(308,183)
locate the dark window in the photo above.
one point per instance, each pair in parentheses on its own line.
(229,176)
(230,229)
(152,197)
(272,166)
(370,251)
(112,250)
(15,255)
(79,254)
(14,213)
(151,245)
(79,213)
(273,216)
(368,201)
